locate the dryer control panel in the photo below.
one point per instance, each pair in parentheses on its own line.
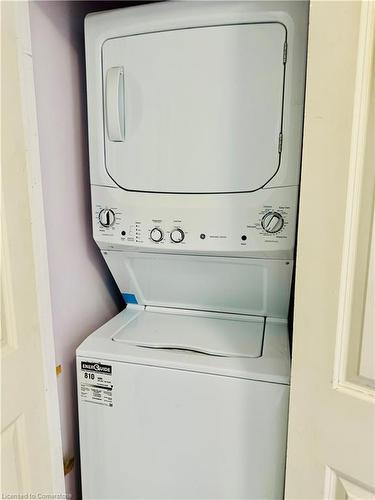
(260,225)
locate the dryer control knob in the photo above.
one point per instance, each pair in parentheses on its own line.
(177,235)
(107,217)
(272,222)
(156,234)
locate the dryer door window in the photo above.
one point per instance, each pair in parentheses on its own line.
(194,110)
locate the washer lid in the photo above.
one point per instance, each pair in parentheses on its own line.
(215,334)
(194,110)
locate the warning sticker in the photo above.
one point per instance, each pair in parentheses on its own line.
(96,383)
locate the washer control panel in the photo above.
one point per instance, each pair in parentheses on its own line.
(261,224)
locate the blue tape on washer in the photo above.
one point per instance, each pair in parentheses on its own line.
(130,298)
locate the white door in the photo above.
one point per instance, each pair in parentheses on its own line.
(331,445)
(31,459)
(216,125)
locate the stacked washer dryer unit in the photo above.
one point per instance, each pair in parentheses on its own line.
(195,124)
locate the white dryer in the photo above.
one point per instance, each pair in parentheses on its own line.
(195,125)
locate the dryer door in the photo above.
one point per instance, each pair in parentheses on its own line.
(194,110)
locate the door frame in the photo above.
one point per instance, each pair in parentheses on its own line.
(39,241)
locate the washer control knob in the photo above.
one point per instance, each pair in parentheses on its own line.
(272,222)
(156,234)
(177,235)
(107,217)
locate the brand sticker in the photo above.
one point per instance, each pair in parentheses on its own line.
(96,367)
(96,383)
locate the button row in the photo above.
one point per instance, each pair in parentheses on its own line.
(157,235)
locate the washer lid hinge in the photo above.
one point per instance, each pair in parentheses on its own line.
(280,142)
(285,52)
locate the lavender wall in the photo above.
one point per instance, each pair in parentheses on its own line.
(84,295)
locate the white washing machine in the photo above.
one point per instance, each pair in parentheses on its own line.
(195,125)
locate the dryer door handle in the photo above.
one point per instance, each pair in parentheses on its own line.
(115,104)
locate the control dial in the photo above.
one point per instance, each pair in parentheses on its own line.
(107,217)
(177,235)
(156,234)
(272,222)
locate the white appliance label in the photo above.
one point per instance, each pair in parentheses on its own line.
(96,383)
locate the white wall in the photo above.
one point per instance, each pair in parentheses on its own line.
(83,294)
